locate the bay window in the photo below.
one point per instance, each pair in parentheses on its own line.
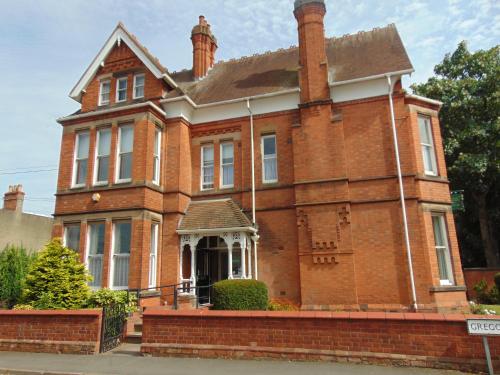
(103,150)
(427,145)
(442,249)
(95,251)
(227,165)
(121,254)
(269,159)
(72,236)
(207,167)
(124,157)
(81,159)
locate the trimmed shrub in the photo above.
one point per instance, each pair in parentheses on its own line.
(108,297)
(239,295)
(14,264)
(57,279)
(281,305)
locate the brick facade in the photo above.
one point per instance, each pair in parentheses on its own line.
(45,331)
(331,233)
(413,339)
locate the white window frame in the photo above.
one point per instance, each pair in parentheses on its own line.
(134,96)
(153,254)
(96,157)
(430,146)
(202,167)
(221,169)
(118,80)
(119,180)
(112,256)
(101,84)
(76,159)
(444,233)
(157,157)
(65,235)
(263,157)
(87,251)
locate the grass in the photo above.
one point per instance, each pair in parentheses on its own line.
(496,308)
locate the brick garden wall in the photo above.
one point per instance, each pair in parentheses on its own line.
(47,331)
(424,340)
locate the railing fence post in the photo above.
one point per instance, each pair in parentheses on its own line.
(175,297)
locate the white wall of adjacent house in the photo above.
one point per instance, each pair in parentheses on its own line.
(269,103)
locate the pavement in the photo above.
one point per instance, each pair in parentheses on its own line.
(14,363)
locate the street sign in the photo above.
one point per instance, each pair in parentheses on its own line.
(484,328)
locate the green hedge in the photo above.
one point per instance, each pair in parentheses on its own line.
(239,295)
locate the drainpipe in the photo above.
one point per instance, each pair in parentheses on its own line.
(402,196)
(255,237)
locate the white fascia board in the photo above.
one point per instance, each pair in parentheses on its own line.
(424,99)
(201,113)
(122,35)
(111,110)
(369,78)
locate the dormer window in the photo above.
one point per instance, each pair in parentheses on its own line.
(138,86)
(104,91)
(121,89)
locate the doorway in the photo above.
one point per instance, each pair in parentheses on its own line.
(211,264)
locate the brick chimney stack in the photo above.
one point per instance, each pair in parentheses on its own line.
(313,75)
(204,47)
(14,198)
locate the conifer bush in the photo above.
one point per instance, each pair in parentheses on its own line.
(240,295)
(56,279)
(14,264)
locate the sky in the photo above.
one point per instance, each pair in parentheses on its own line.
(45,46)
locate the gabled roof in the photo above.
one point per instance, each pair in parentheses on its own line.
(213,214)
(351,57)
(121,35)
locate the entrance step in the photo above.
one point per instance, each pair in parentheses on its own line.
(133,338)
(126,349)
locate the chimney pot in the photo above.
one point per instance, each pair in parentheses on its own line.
(13,199)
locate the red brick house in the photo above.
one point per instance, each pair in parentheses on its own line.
(280,166)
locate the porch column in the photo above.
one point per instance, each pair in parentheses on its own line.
(230,259)
(249,250)
(193,264)
(181,262)
(243,247)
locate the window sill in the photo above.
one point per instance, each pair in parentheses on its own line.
(104,183)
(228,187)
(77,187)
(447,288)
(122,182)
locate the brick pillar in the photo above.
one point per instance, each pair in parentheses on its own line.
(14,198)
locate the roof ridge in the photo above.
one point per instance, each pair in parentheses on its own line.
(361,32)
(258,54)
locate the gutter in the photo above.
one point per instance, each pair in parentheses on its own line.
(252,153)
(424,99)
(370,78)
(111,110)
(217,230)
(402,194)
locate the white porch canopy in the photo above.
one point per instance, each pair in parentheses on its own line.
(218,218)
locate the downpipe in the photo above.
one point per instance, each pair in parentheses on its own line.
(402,196)
(255,237)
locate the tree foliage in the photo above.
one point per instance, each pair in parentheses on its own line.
(14,263)
(467,84)
(57,279)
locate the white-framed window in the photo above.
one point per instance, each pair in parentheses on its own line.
(104,90)
(207,167)
(427,143)
(72,236)
(153,254)
(103,149)
(121,89)
(124,153)
(81,159)
(442,249)
(156,157)
(139,80)
(227,165)
(269,159)
(95,252)
(120,257)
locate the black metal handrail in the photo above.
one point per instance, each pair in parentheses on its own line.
(185,288)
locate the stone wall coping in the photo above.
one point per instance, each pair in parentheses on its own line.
(152,312)
(83,312)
